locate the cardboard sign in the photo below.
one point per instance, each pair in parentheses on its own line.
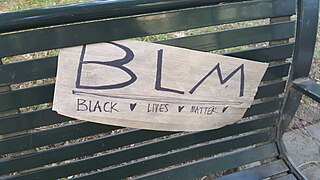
(151,86)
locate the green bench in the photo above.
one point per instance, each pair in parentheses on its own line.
(40,144)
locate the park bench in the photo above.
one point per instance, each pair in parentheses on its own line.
(40,144)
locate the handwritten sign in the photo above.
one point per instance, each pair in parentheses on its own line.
(152,86)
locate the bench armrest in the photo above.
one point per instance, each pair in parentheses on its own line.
(308,87)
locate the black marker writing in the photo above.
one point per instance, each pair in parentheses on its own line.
(157,108)
(133,106)
(158,75)
(180,108)
(222,81)
(116,63)
(208,110)
(96,106)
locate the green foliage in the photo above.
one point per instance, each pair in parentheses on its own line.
(306,100)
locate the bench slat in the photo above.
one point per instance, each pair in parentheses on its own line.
(30,120)
(276,71)
(44,93)
(116,29)
(236,37)
(159,161)
(26,97)
(266,54)
(270,89)
(127,138)
(46,67)
(55,15)
(45,117)
(217,164)
(265,106)
(258,172)
(28,70)
(287,177)
(51,136)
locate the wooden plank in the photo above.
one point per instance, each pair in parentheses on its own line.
(276,71)
(49,16)
(264,106)
(26,97)
(124,139)
(46,67)
(30,120)
(44,93)
(236,37)
(45,117)
(271,89)
(287,177)
(28,70)
(193,170)
(209,90)
(266,54)
(258,172)
(212,165)
(117,29)
(46,137)
(147,164)
(108,142)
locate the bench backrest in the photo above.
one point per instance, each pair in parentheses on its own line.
(35,142)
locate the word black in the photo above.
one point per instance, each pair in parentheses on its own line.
(96,106)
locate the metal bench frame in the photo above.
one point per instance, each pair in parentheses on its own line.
(305,37)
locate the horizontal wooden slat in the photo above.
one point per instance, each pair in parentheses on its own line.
(287,177)
(215,164)
(56,15)
(264,106)
(270,89)
(30,120)
(177,157)
(46,67)
(44,93)
(116,29)
(51,136)
(160,161)
(235,37)
(266,54)
(276,71)
(122,139)
(28,70)
(26,97)
(258,172)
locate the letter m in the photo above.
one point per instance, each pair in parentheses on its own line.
(223,80)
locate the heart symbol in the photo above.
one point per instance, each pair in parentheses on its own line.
(132,106)
(224,109)
(180,108)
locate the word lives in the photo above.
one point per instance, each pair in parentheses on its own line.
(158,108)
